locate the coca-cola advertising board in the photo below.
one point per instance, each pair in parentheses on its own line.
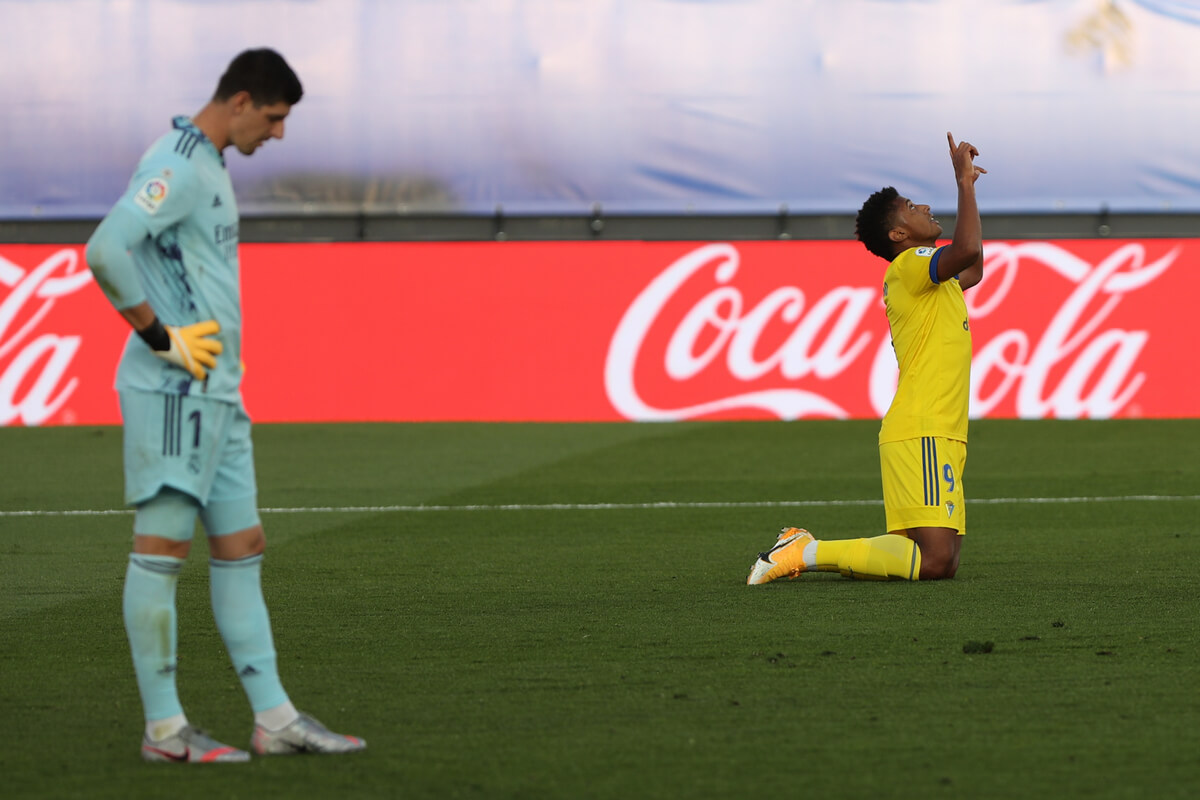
(598,331)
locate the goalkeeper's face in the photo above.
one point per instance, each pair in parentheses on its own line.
(252,125)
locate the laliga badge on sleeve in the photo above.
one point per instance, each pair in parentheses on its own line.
(925,251)
(152,195)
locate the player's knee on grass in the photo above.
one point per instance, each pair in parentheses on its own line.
(939,552)
(942,570)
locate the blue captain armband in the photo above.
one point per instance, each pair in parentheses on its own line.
(933,263)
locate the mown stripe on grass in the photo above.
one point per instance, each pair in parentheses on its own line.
(1128,498)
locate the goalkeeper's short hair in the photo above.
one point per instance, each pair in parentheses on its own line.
(264,74)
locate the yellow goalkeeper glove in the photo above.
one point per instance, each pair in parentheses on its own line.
(189,346)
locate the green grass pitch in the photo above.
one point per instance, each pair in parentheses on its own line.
(543,611)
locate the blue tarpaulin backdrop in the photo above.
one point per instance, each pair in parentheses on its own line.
(663,106)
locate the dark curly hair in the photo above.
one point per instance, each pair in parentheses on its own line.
(874,221)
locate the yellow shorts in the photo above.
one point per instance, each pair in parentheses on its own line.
(922,483)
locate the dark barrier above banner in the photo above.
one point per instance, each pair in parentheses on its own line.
(627,331)
(640,106)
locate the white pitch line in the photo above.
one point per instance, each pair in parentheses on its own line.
(1136,498)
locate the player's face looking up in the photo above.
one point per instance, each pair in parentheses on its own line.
(251,125)
(916,221)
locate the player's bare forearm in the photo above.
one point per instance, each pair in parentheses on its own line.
(972,275)
(966,248)
(140,316)
(968,232)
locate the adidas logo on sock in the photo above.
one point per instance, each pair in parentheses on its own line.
(248,671)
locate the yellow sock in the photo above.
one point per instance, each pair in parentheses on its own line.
(829,553)
(878,558)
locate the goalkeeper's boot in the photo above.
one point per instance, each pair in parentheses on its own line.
(305,735)
(786,558)
(191,745)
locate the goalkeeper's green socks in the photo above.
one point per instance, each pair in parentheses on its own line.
(241,616)
(149,611)
(879,558)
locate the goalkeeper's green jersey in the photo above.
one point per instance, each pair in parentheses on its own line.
(188,265)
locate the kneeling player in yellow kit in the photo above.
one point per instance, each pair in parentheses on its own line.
(923,439)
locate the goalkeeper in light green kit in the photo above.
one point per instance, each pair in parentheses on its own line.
(166,257)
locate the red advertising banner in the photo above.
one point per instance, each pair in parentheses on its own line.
(565,331)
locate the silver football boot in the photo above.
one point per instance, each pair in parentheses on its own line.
(191,745)
(305,735)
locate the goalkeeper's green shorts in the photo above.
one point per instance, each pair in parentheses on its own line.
(194,445)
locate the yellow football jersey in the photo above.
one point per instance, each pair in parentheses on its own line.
(932,339)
